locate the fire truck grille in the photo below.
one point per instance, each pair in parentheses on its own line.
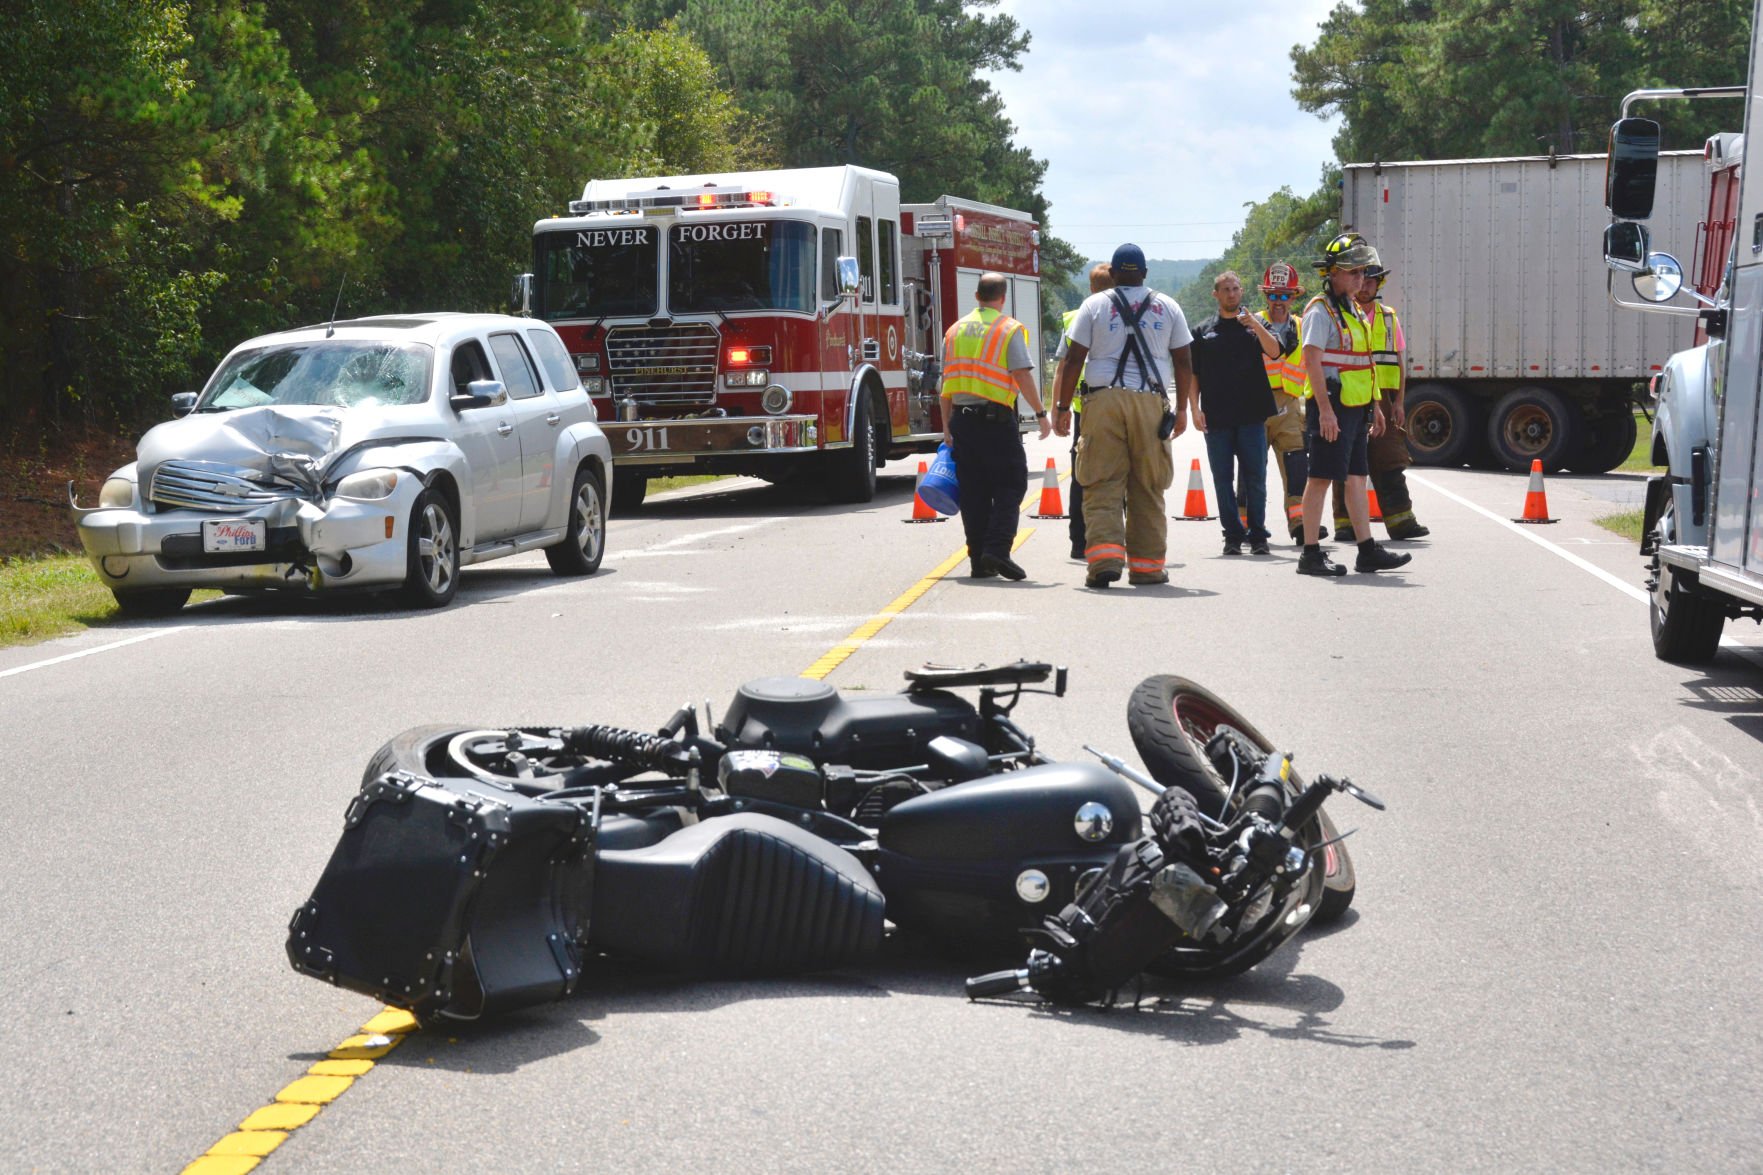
(205,485)
(664,365)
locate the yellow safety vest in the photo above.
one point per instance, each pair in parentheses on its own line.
(975,354)
(1286,373)
(1083,373)
(1384,357)
(1352,366)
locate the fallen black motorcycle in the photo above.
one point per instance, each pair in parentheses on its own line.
(479,869)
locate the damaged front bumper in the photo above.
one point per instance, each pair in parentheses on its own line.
(342,543)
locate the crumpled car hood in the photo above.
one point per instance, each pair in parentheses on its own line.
(291,443)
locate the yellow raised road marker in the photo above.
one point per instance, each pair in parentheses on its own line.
(299,1102)
(838,654)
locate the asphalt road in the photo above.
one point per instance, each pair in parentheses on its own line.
(1552,963)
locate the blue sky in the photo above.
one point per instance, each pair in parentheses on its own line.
(1160,120)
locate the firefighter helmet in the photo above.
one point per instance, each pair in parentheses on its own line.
(1375,268)
(1281,278)
(1347,251)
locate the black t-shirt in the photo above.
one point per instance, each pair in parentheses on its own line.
(1233,380)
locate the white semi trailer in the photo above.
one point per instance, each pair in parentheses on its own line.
(1514,352)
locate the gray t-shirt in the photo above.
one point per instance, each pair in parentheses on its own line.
(1099,327)
(1319,328)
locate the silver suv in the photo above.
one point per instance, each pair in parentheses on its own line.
(375,453)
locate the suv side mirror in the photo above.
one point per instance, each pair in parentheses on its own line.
(1625,246)
(182,403)
(1632,168)
(520,298)
(480,393)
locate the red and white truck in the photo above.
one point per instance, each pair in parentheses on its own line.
(773,323)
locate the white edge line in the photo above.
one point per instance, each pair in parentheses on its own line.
(133,640)
(1629,589)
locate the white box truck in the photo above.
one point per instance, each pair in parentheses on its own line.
(1514,352)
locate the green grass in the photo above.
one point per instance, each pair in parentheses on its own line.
(1627,524)
(53,595)
(1640,458)
(660,484)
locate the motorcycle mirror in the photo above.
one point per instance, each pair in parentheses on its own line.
(1360,794)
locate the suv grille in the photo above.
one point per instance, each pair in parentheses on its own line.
(208,485)
(664,365)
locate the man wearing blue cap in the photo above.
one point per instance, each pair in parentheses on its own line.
(1136,344)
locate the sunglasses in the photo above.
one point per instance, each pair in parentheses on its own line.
(1279,297)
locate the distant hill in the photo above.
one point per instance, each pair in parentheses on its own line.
(1168,276)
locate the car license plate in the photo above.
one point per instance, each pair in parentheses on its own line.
(227,536)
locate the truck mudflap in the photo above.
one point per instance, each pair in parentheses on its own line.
(729,435)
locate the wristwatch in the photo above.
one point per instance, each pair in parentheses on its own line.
(1040,416)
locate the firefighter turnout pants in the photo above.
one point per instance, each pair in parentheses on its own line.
(1125,469)
(1285,436)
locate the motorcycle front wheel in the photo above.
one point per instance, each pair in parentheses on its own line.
(1171,719)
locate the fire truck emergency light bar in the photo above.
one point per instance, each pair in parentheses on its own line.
(709,196)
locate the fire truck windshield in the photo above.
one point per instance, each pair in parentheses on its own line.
(741,265)
(596,272)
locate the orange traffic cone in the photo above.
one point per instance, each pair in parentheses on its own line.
(1536,503)
(921,511)
(1371,501)
(1051,504)
(1195,509)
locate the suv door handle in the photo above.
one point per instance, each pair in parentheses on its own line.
(504,428)
(551,418)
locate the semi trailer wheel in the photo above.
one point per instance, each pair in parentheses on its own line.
(1533,424)
(1444,425)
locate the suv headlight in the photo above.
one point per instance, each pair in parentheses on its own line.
(117,492)
(369,485)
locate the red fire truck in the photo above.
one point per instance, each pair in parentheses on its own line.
(772,323)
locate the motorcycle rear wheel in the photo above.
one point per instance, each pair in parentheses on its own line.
(1171,718)
(477,753)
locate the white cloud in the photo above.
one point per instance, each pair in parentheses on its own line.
(1160,120)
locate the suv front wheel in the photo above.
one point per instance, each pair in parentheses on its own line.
(431,561)
(584,539)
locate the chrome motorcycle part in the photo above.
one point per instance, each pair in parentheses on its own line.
(1094,821)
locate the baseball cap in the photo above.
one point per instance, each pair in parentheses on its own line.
(1129,257)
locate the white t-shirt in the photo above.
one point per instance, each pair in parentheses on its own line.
(1099,327)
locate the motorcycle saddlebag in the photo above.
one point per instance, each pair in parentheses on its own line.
(452,898)
(737,895)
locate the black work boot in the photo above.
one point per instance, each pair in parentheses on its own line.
(1002,565)
(1373,557)
(1315,562)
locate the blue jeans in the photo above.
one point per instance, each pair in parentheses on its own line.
(1245,446)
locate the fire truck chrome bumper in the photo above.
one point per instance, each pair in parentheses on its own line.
(666,439)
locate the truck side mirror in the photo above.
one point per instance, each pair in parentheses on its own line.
(520,298)
(1660,280)
(850,277)
(1632,168)
(1625,246)
(182,403)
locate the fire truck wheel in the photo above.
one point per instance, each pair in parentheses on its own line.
(628,488)
(852,476)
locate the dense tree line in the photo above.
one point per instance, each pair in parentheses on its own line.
(178,174)
(1450,79)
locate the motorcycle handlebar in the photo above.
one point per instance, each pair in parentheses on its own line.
(997,983)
